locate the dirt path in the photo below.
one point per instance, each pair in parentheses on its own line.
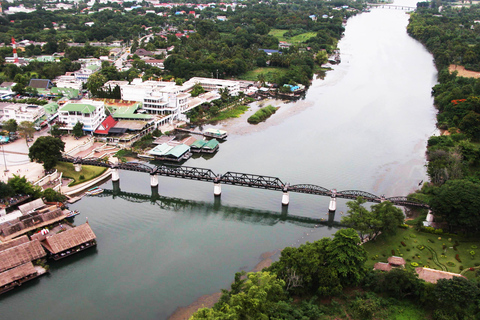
(462,72)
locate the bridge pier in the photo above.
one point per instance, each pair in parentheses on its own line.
(78,167)
(153,180)
(115,175)
(285,198)
(217,189)
(116,187)
(333,201)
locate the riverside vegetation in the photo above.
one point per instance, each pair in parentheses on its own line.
(453,194)
(262,114)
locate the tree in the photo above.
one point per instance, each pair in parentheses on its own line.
(458,203)
(384,218)
(55,131)
(347,257)
(20,185)
(6,190)
(78,129)
(51,195)
(197,90)
(255,299)
(95,82)
(10,125)
(47,150)
(456,296)
(26,129)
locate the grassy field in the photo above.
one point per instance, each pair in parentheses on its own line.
(269,73)
(278,33)
(425,249)
(233,112)
(87,173)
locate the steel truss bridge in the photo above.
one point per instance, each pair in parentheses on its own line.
(242,179)
(391,6)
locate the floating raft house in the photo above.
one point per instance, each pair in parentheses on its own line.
(198,145)
(69,242)
(16,266)
(215,133)
(171,153)
(211,146)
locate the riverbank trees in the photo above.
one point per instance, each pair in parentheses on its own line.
(454,158)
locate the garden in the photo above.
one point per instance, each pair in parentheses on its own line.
(433,249)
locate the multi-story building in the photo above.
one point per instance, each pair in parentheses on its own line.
(90,113)
(23,112)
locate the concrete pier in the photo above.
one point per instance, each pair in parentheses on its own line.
(115,174)
(333,204)
(285,198)
(116,187)
(217,189)
(153,180)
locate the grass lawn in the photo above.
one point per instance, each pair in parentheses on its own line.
(87,173)
(269,73)
(426,249)
(233,112)
(278,33)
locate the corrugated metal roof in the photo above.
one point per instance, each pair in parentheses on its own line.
(198,144)
(178,151)
(212,144)
(160,150)
(78,107)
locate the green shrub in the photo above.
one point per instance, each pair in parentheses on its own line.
(262,114)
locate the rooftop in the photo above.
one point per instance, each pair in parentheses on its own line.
(432,275)
(68,239)
(23,253)
(78,107)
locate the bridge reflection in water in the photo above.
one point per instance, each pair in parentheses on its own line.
(247,215)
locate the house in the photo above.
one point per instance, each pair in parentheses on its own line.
(155,63)
(432,275)
(70,241)
(393,262)
(90,113)
(16,265)
(40,84)
(106,125)
(143,53)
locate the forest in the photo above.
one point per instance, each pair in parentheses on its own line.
(206,46)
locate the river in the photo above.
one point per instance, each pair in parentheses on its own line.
(364,127)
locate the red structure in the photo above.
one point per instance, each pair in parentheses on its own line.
(14,45)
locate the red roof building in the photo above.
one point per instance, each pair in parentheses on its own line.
(106,125)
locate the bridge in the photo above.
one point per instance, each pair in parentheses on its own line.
(237,179)
(391,6)
(245,215)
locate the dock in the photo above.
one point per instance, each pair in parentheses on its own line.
(210,133)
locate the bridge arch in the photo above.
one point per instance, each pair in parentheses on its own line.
(353,194)
(310,189)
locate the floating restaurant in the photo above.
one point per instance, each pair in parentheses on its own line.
(215,133)
(166,152)
(16,265)
(70,241)
(205,146)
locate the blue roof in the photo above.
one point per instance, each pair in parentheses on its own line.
(270,51)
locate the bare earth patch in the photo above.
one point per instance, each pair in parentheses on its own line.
(462,72)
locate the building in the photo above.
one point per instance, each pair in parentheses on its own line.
(432,275)
(70,241)
(23,112)
(16,265)
(89,112)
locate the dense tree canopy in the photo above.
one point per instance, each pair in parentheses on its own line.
(47,150)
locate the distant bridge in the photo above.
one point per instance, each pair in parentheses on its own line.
(237,179)
(391,6)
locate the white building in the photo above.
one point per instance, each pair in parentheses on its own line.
(23,112)
(90,113)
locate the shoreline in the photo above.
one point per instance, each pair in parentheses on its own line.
(209,300)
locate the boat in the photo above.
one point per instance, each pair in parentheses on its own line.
(73,213)
(94,191)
